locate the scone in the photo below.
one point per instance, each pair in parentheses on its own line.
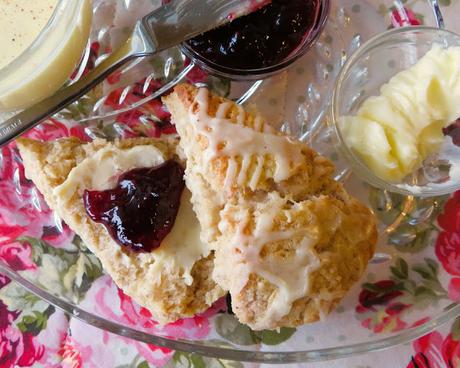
(174,280)
(289,241)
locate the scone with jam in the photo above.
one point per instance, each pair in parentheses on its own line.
(289,240)
(126,200)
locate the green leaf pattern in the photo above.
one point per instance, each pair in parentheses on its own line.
(69,272)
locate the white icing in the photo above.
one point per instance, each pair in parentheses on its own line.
(238,141)
(291,278)
(248,148)
(181,248)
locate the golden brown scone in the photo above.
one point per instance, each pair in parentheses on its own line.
(150,278)
(289,240)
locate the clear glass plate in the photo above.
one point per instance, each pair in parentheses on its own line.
(409,289)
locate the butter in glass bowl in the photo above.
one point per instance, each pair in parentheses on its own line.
(394,104)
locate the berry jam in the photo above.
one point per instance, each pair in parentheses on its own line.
(140,211)
(261,39)
(453,131)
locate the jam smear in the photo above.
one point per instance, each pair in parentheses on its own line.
(140,211)
(261,39)
(453,131)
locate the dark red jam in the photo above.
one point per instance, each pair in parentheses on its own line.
(261,39)
(453,131)
(140,211)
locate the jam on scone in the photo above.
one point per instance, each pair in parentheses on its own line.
(141,210)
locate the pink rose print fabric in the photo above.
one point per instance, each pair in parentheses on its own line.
(436,351)
(116,306)
(404,17)
(448,242)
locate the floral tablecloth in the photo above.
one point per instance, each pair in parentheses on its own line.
(45,337)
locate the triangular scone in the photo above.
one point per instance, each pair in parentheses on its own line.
(174,280)
(289,240)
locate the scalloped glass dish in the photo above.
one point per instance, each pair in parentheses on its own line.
(406,291)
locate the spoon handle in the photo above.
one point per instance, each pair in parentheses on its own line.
(134,47)
(437,14)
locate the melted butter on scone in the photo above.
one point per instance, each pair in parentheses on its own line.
(252,145)
(101,170)
(182,247)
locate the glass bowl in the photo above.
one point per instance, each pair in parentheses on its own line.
(49,61)
(373,65)
(262,73)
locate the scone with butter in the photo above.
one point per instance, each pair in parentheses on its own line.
(289,240)
(105,192)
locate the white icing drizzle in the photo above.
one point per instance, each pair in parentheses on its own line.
(257,173)
(247,149)
(239,141)
(290,277)
(243,172)
(258,124)
(232,171)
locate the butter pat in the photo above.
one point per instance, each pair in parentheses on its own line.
(101,170)
(394,132)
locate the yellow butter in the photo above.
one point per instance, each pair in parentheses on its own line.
(410,111)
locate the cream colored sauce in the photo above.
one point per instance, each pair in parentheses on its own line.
(244,142)
(20,24)
(182,247)
(45,70)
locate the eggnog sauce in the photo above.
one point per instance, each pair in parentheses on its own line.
(20,24)
(29,74)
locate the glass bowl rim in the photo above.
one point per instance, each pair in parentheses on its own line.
(262,73)
(355,162)
(61,6)
(273,357)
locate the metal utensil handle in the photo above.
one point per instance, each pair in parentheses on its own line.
(437,14)
(33,115)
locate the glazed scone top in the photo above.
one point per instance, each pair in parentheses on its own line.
(257,228)
(240,154)
(286,250)
(182,247)
(250,149)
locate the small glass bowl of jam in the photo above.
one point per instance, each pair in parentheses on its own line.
(260,44)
